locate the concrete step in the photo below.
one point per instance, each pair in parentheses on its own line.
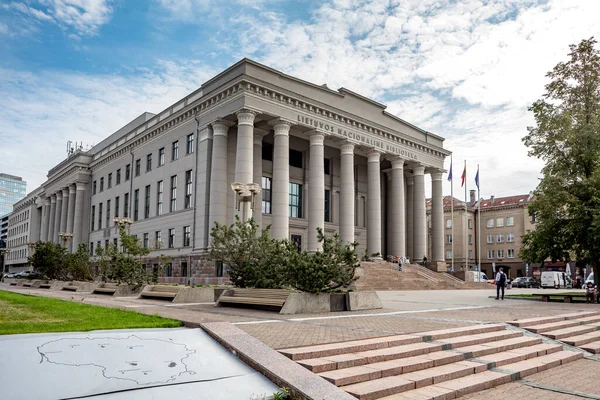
(512,356)
(539,364)
(485,349)
(553,326)
(589,320)
(482,338)
(331,349)
(593,347)
(573,331)
(522,323)
(582,339)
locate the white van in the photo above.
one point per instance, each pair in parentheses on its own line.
(555,279)
(590,278)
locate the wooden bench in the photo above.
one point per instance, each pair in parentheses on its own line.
(106,288)
(567,298)
(257,297)
(161,292)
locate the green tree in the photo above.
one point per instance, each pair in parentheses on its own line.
(78,264)
(567,138)
(48,260)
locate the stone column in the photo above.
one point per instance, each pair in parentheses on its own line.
(280,189)
(64,210)
(437,217)
(257,172)
(374,202)
(57,217)
(316,189)
(398,230)
(78,214)
(218,175)
(202,189)
(71,212)
(420,217)
(45,220)
(244,155)
(51,218)
(410,214)
(347,193)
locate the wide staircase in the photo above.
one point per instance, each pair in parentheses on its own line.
(580,329)
(383,275)
(446,363)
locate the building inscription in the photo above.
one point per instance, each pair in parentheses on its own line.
(362,138)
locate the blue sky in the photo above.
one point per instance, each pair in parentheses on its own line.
(466,70)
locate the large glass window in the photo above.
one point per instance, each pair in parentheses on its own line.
(327,206)
(449,239)
(138,164)
(266,195)
(159,198)
(147,202)
(500,238)
(189,188)
(500,253)
(149,162)
(490,239)
(107,213)
(126,205)
(448,223)
(146,240)
(93,217)
(295,200)
(171,238)
(490,254)
(511,253)
(499,222)
(175,150)
(173,205)
(189,148)
(127,172)
(510,221)
(116,206)
(490,223)
(186,236)
(157,240)
(448,254)
(118,176)
(136,204)
(510,237)
(101,184)
(161,156)
(110,180)
(100,216)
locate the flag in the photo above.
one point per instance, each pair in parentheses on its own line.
(450,172)
(463,177)
(477,177)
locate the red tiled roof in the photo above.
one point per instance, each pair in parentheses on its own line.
(507,201)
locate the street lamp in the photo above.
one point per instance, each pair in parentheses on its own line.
(31,246)
(245,194)
(121,222)
(65,238)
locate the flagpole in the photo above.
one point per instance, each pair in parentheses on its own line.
(452,213)
(478,224)
(466,221)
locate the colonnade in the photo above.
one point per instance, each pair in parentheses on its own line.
(62,212)
(408,229)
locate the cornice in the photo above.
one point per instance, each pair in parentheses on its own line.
(71,171)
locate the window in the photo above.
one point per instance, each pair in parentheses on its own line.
(490,239)
(126,205)
(470,223)
(448,223)
(93,216)
(327,205)
(499,222)
(327,166)
(295,200)
(159,198)
(297,240)
(448,239)
(107,213)
(295,158)
(189,189)
(100,216)
(448,254)
(510,253)
(510,237)
(119,176)
(500,238)
(184,269)
(161,156)
(147,203)
(136,204)
(101,184)
(116,242)
(169,269)
(138,164)
(91,248)
(189,144)
(470,253)
(267,151)
(94,187)
(106,244)
(219,268)
(470,239)
(157,240)
(175,150)
(266,195)
(145,241)
(533,218)
(149,162)
(127,172)
(110,180)
(500,253)
(173,205)
(490,254)
(490,223)
(186,236)
(116,206)
(171,238)
(510,221)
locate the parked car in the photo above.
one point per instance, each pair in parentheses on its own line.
(526,282)
(24,274)
(555,279)
(9,275)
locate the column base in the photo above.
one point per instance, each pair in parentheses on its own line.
(437,266)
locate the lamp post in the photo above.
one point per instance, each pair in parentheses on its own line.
(245,194)
(31,246)
(122,223)
(65,238)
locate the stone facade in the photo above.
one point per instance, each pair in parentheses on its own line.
(323,158)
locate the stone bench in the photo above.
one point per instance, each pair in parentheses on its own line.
(567,298)
(160,292)
(32,284)
(106,288)
(77,286)
(256,297)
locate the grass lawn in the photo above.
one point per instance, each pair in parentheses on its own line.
(30,314)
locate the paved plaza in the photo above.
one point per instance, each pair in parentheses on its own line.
(403,312)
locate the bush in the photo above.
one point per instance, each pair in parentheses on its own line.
(48,260)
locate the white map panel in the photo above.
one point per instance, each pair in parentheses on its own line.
(126,364)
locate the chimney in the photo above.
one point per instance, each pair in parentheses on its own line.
(492,199)
(472,196)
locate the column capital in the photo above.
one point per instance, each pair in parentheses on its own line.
(80,186)
(316,138)
(374,155)
(59,195)
(47,200)
(397,162)
(280,127)
(72,189)
(65,191)
(280,121)
(347,148)
(221,127)
(418,169)
(245,116)
(436,175)
(53,198)
(388,173)
(205,133)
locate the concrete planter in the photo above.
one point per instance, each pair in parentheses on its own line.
(198,295)
(307,303)
(338,302)
(128,290)
(362,301)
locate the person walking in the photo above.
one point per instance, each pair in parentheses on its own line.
(500,283)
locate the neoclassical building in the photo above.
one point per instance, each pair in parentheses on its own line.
(321,158)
